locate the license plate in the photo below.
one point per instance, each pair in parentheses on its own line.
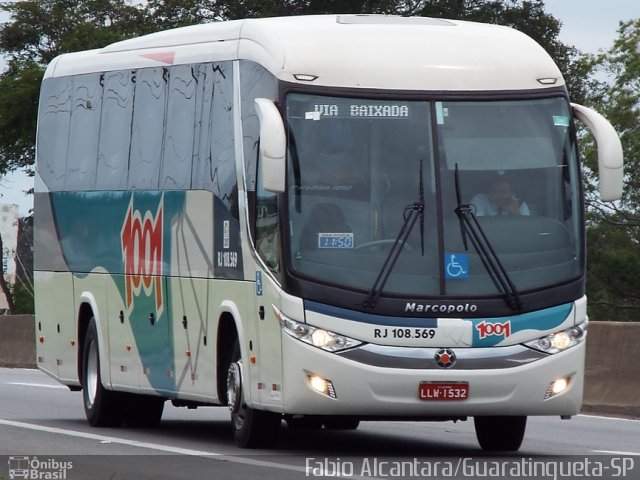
(443,391)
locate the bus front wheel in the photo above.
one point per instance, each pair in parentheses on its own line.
(500,433)
(252,428)
(102,407)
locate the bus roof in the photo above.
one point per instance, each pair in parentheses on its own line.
(362,51)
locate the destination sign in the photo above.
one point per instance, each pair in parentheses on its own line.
(360,109)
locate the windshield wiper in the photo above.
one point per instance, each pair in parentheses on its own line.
(411,214)
(471,228)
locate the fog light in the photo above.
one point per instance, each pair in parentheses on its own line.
(559,386)
(556,387)
(321,385)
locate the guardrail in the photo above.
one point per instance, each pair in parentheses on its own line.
(17,341)
(612,378)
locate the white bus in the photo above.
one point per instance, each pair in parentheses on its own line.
(293,217)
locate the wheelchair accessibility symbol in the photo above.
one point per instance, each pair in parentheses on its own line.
(456,265)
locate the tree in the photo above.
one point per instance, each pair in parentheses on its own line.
(19,88)
(5,287)
(614,228)
(22,290)
(39,31)
(165,14)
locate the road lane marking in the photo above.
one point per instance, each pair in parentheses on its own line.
(617,419)
(613,452)
(101,438)
(39,385)
(152,446)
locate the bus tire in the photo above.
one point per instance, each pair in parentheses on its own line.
(252,428)
(500,433)
(143,411)
(341,423)
(102,407)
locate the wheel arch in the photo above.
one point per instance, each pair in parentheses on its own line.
(88,308)
(229,328)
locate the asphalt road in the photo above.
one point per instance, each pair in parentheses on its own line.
(42,420)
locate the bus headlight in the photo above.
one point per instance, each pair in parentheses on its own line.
(318,337)
(560,341)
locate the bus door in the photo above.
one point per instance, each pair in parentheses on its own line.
(269,358)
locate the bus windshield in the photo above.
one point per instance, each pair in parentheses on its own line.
(358,167)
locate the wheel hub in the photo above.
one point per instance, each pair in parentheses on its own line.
(91,375)
(234,387)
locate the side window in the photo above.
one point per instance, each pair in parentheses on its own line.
(180,129)
(202,155)
(84,131)
(255,82)
(147,130)
(223,169)
(267,225)
(115,134)
(53,131)
(214,165)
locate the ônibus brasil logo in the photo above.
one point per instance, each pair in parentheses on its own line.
(141,238)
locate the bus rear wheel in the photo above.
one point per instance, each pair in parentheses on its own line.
(251,428)
(102,407)
(500,433)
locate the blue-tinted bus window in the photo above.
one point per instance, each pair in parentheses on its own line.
(53,130)
(179,134)
(147,130)
(115,131)
(84,131)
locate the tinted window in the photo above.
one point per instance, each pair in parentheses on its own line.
(53,131)
(147,129)
(179,134)
(202,154)
(255,82)
(115,131)
(85,128)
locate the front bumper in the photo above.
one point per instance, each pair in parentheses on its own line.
(365,387)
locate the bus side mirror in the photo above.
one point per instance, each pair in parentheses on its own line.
(273,146)
(610,157)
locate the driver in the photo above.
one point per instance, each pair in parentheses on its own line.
(499,199)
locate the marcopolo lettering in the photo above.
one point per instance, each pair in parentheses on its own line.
(440,308)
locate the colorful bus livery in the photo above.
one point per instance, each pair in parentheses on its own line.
(149,248)
(142,242)
(291,217)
